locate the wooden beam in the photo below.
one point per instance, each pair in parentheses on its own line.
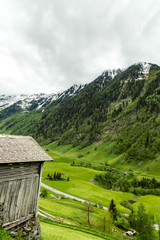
(8,179)
(17,222)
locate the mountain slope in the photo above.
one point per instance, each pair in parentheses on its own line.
(122,106)
(36,101)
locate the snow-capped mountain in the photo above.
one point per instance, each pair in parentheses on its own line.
(39,100)
(82,113)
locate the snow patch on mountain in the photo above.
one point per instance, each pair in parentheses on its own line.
(24,101)
(144,72)
(111,74)
(71,91)
(38,100)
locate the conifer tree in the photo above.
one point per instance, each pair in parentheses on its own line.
(113,210)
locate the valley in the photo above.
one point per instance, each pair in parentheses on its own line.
(109,125)
(81,178)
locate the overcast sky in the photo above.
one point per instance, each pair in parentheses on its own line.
(49,45)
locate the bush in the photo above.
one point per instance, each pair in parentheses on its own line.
(55,176)
(126,204)
(44,193)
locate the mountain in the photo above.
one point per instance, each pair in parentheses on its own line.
(36,101)
(122,106)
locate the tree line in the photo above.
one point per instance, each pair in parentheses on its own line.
(127,182)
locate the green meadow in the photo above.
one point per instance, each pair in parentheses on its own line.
(73,214)
(69,210)
(81,184)
(101,153)
(61,231)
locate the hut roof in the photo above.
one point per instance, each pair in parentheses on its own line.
(21,149)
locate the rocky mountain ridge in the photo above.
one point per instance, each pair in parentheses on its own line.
(25,101)
(40,100)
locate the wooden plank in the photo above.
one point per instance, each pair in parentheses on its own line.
(26,195)
(7,196)
(21,199)
(13,178)
(10,199)
(34,196)
(3,191)
(19,170)
(19,165)
(19,191)
(39,186)
(3,198)
(11,214)
(30,192)
(15,204)
(16,173)
(18,198)
(9,225)
(7,171)
(1,203)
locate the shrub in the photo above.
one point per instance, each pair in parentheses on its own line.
(44,193)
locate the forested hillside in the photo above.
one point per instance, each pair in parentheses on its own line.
(122,106)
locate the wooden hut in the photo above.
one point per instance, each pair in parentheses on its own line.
(21,162)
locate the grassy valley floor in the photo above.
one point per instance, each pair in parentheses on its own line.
(60,231)
(81,177)
(87,163)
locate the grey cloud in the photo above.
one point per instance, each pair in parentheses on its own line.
(50,45)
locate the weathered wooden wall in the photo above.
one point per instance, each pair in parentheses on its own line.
(19,186)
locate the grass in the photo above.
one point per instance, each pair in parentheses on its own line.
(94,153)
(154,167)
(69,210)
(4,235)
(60,233)
(81,177)
(98,154)
(80,185)
(54,230)
(151,202)
(73,212)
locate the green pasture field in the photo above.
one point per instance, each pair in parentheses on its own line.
(73,213)
(69,210)
(93,153)
(151,202)
(60,231)
(98,154)
(80,184)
